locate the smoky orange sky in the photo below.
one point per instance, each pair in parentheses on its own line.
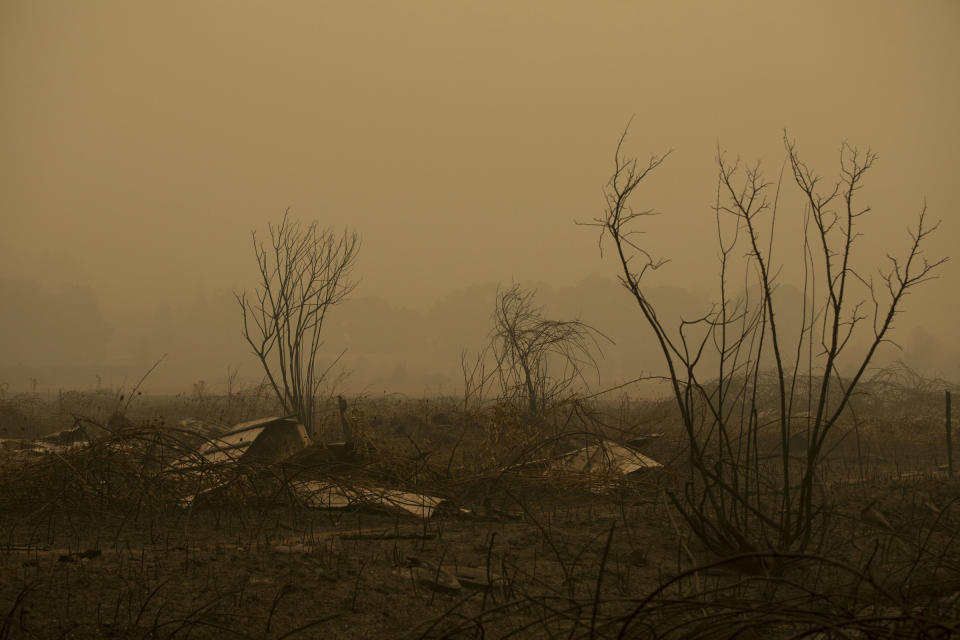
(141,142)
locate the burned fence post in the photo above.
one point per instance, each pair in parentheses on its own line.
(345,423)
(949,439)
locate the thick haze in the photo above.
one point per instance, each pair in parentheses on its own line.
(141,142)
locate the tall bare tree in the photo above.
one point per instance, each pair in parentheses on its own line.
(304,271)
(721,398)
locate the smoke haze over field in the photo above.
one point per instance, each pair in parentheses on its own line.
(143,142)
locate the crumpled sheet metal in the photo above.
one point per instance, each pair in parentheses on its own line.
(271,440)
(58,442)
(600,458)
(604,457)
(265,440)
(326,495)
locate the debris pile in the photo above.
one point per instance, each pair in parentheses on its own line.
(58,442)
(268,441)
(274,458)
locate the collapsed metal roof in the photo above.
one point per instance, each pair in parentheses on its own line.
(271,440)
(605,456)
(326,495)
(262,441)
(601,457)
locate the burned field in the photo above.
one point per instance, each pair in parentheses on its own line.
(436,521)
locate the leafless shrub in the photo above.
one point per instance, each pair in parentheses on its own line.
(531,362)
(537,359)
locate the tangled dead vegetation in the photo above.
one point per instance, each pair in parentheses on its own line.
(412,532)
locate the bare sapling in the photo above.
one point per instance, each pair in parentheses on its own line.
(305,270)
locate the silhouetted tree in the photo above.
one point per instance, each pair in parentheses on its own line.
(304,271)
(721,398)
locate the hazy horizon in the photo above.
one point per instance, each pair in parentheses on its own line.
(144,142)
